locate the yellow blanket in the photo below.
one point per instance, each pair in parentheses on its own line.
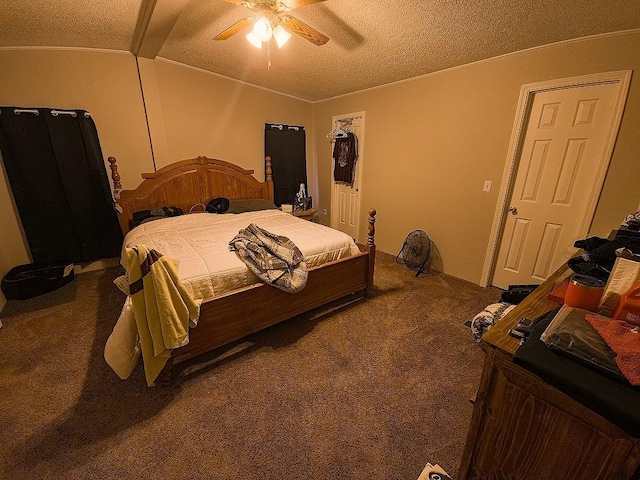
(162,306)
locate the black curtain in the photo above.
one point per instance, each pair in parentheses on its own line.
(286,145)
(59,182)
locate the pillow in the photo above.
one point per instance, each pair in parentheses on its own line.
(250,205)
(218,205)
(144,216)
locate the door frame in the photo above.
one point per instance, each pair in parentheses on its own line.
(359,166)
(527,94)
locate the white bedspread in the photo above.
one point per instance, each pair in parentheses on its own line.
(200,243)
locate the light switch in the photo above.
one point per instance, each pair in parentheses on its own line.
(487,186)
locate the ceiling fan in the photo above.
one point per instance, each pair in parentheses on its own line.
(272,21)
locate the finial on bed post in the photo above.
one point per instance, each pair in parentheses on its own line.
(268,177)
(115,176)
(268,172)
(371,230)
(117,185)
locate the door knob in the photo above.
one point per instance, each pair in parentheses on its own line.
(513,210)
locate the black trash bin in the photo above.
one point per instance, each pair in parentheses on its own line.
(33,279)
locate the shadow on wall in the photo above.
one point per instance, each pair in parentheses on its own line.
(435,262)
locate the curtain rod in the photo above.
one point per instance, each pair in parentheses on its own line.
(55,113)
(281,127)
(18,111)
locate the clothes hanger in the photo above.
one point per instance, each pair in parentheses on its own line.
(341,133)
(335,132)
(342,130)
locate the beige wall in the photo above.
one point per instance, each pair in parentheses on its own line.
(433,141)
(430,142)
(103,83)
(205,114)
(191,113)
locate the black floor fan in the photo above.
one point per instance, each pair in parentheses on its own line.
(415,251)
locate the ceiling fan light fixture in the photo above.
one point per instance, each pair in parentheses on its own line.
(281,35)
(253,39)
(262,29)
(271,21)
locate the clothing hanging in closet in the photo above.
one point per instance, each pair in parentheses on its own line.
(345,154)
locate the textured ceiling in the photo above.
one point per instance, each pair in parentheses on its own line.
(372,42)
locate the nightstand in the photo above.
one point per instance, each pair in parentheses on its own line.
(305,214)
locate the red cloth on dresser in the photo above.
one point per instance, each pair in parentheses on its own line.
(624,339)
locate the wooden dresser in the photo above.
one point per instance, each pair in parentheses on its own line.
(524,429)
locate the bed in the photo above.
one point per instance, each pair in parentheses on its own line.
(233,309)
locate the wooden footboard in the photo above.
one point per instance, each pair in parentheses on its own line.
(251,309)
(247,310)
(237,314)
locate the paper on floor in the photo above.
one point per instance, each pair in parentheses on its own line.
(433,472)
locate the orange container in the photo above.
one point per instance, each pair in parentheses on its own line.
(584,292)
(629,306)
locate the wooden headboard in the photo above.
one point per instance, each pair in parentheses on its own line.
(187,183)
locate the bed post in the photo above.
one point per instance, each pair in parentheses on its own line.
(166,375)
(115,177)
(371,245)
(117,188)
(268,176)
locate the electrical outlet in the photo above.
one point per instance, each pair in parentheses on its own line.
(487,186)
(324,211)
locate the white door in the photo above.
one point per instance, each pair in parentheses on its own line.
(345,199)
(564,150)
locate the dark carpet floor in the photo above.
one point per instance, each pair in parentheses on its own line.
(372,391)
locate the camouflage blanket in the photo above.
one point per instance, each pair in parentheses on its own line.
(274,259)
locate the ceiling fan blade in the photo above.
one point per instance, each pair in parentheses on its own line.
(235,28)
(291,4)
(296,26)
